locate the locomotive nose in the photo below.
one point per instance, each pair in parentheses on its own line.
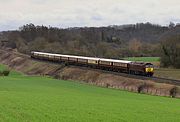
(149,69)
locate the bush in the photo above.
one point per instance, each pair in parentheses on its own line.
(173,92)
(141,87)
(4,73)
(1,74)
(170,52)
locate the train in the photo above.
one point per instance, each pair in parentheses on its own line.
(130,67)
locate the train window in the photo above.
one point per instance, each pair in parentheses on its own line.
(149,66)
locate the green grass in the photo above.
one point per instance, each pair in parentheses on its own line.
(28,99)
(2,67)
(144,59)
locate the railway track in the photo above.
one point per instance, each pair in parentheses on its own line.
(166,80)
(156,79)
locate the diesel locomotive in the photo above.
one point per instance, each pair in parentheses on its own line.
(131,67)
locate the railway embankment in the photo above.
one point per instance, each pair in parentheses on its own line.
(25,64)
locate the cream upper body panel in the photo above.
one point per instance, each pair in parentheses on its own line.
(92,60)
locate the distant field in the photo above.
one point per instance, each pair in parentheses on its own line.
(24,98)
(144,59)
(168,73)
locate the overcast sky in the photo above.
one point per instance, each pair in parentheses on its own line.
(76,13)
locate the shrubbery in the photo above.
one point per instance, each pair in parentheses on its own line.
(170,56)
(4,73)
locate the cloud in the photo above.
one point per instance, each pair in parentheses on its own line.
(70,13)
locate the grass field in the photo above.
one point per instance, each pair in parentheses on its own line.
(168,73)
(144,59)
(2,67)
(29,99)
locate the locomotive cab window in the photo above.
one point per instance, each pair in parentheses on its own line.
(149,65)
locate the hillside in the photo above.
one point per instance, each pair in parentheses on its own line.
(25,64)
(30,98)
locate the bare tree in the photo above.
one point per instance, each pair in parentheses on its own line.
(170,55)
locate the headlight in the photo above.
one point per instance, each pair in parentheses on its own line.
(149,69)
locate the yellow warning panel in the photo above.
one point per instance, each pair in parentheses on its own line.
(149,69)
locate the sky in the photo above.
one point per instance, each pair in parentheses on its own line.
(81,13)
